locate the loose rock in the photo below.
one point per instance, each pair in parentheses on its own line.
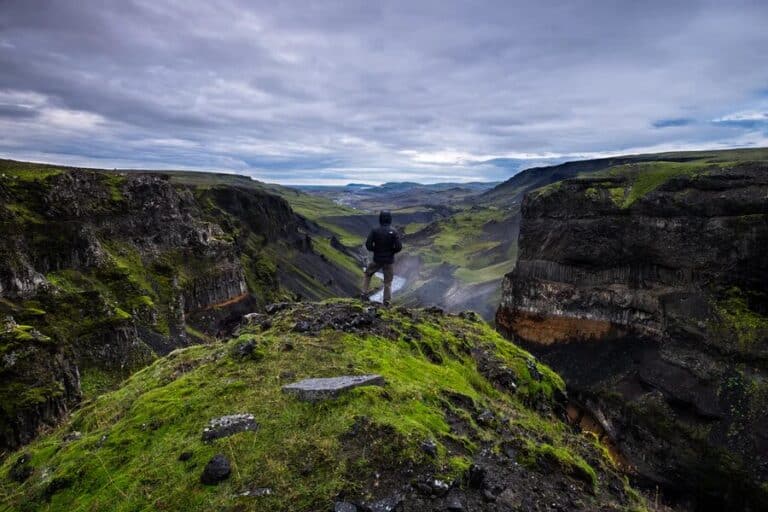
(259,319)
(228,425)
(302,326)
(486,418)
(72,436)
(476,476)
(271,309)
(392,503)
(453,504)
(244,350)
(344,506)
(429,447)
(439,488)
(534,371)
(256,492)
(217,470)
(21,469)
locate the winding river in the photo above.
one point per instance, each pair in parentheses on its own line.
(397,283)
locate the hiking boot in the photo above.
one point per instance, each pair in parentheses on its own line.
(364,297)
(387,303)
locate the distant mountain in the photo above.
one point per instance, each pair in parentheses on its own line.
(403,194)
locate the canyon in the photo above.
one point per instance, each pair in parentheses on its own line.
(137,304)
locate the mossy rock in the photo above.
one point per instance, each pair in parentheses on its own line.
(365,445)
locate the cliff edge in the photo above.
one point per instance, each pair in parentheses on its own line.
(644,286)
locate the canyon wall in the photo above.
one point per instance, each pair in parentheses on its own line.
(100,272)
(645,287)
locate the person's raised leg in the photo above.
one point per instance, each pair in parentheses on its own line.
(370,269)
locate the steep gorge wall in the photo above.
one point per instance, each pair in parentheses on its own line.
(110,270)
(654,308)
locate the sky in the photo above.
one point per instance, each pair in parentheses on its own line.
(331,92)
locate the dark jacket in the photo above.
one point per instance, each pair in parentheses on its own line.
(385,243)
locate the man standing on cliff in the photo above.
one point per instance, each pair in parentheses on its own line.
(384,242)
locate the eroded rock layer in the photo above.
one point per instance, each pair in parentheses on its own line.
(645,286)
(113,269)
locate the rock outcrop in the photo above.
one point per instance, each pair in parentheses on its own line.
(448,431)
(115,269)
(645,288)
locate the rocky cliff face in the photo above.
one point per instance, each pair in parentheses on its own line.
(645,287)
(113,269)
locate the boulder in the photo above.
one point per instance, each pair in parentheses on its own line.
(217,470)
(313,390)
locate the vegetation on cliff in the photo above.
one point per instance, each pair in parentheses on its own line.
(463,415)
(643,284)
(116,268)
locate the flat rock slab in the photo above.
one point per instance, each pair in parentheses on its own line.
(228,425)
(313,390)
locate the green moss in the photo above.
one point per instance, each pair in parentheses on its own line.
(413,227)
(458,466)
(321,210)
(26,171)
(127,263)
(97,381)
(462,242)
(33,312)
(336,257)
(618,195)
(22,333)
(548,190)
(121,315)
(114,183)
(492,272)
(747,325)
(127,458)
(345,236)
(22,213)
(198,336)
(643,178)
(144,300)
(569,461)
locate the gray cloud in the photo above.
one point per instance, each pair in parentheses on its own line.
(375,91)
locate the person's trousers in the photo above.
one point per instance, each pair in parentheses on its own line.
(374,267)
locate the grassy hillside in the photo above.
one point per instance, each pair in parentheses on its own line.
(628,182)
(512,190)
(451,382)
(314,207)
(468,252)
(465,240)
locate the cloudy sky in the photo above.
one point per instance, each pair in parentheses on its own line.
(372,91)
